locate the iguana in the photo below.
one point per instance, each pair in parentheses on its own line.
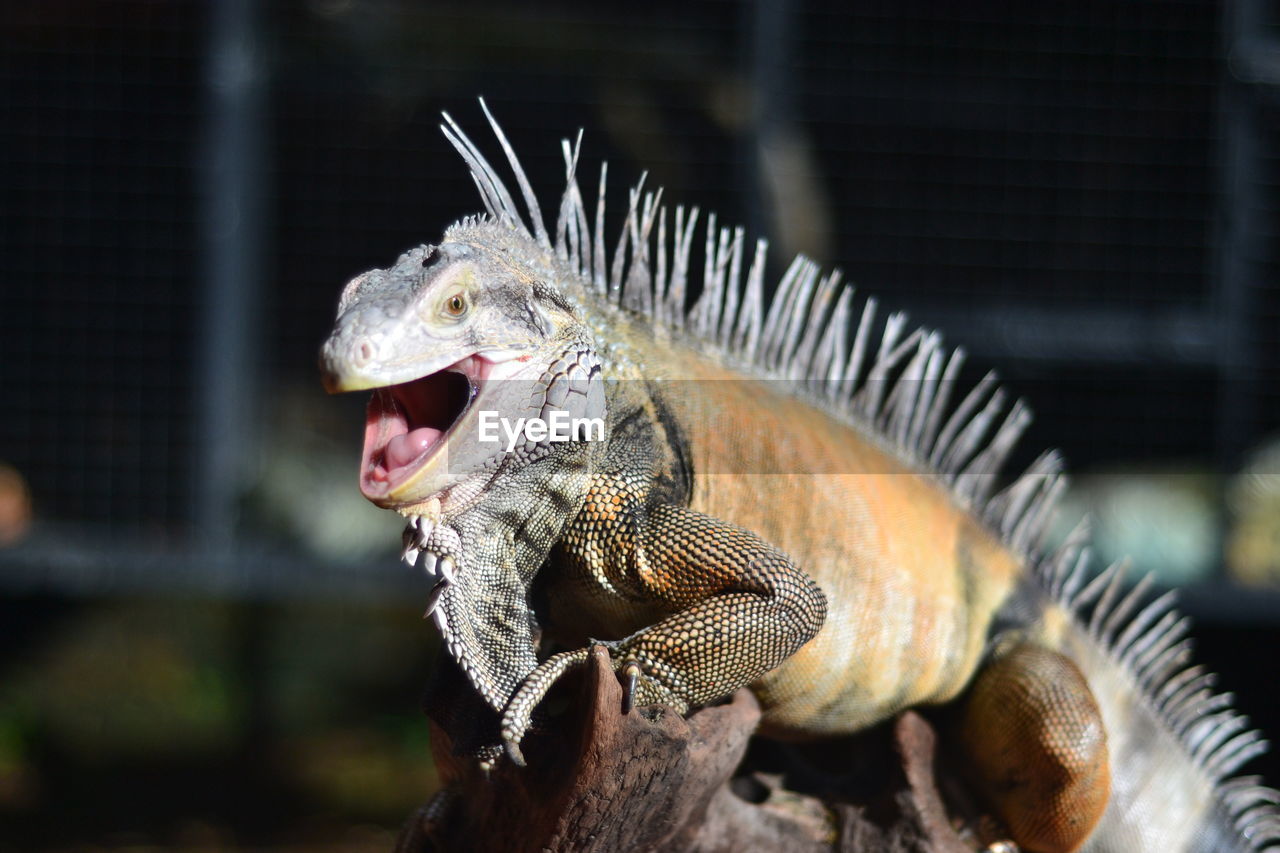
(780,497)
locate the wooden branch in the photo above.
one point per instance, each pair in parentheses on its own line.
(598,780)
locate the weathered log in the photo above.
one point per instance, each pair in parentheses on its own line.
(599,780)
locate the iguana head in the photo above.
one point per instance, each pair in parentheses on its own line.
(448,338)
(454,337)
(471,329)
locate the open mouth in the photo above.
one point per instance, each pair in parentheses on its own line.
(406,424)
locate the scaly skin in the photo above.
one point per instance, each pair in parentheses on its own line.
(839,523)
(842,558)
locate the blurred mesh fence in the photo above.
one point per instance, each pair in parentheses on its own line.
(1082,194)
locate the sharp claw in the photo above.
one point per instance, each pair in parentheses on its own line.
(513,752)
(447,569)
(410,553)
(631,671)
(434,598)
(429,563)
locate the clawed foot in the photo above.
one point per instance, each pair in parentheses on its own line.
(630,681)
(519,712)
(638,688)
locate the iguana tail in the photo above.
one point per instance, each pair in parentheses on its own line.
(1173,741)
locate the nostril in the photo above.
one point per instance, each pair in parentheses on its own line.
(363,353)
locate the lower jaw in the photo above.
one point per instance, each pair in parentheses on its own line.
(384,493)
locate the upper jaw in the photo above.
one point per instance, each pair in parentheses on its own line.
(356,365)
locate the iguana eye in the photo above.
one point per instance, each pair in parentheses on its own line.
(455,305)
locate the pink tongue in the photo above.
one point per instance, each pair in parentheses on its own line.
(405,448)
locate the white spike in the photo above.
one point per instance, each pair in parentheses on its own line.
(481,170)
(1151,648)
(900,407)
(584,233)
(638,292)
(1134,631)
(960,417)
(1006,510)
(660,274)
(923,408)
(430,563)
(1201,717)
(680,265)
(703,314)
(1168,662)
(965,444)
(868,398)
(775,321)
(835,344)
(751,315)
(853,367)
(811,333)
(599,260)
(442,625)
(797,311)
(1238,752)
(491,203)
(629,227)
(1120,616)
(986,465)
(1101,589)
(1030,533)
(1183,688)
(1235,752)
(715,316)
(530,200)
(732,292)
(568,233)
(1224,726)
(1073,578)
(942,398)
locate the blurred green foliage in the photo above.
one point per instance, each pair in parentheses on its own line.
(236,723)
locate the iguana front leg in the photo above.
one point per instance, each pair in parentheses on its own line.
(738,607)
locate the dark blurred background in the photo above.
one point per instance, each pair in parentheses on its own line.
(206,640)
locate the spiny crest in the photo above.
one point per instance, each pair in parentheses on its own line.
(1152,645)
(901,388)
